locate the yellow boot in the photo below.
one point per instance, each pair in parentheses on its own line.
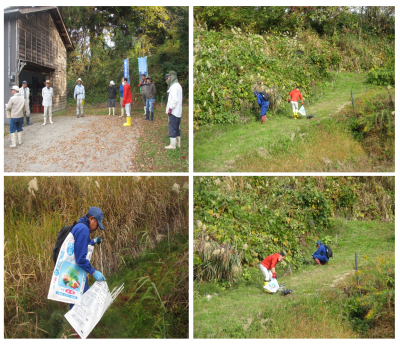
(294,115)
(297,115)
(128,121)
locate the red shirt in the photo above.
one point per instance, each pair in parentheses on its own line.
(271,261)
(127,95)
(295,94)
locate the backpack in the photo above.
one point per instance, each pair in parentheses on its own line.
(329,252)
(265,95)
(60,239)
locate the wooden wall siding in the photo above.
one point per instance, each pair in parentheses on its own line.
(40,43)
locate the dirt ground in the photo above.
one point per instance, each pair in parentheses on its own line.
(88,144)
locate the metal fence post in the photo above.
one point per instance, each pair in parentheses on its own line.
(358,279)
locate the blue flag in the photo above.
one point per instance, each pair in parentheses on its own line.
(126,69)
(142,66)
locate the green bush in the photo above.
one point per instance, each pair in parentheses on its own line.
(381,76)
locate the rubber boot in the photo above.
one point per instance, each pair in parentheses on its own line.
(122,112)
(13,137)
(265,283)
(178,142)
(77,112)
(147,116)
(109,110)
(172,144)
(50,119)
(82,114)
(128,121)
(20,137)
(151,116)
(294,115)
(44,121)
(27,121)
(113,110)
(317,261)
(144,110)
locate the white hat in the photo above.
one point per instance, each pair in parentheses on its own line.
(112,82)
(79,80)
(15,88)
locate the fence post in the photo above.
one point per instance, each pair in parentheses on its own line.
(169,250)
(358,279)
(352,101)
(290,268)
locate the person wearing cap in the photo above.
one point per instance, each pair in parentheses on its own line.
(320,256)
(79,97)
(174,109)
(126,102)
(86,225)
(151,98)
(24,90)
(144,88)
(267,266)
(264,104)
(293,99)
(16,106)
(121,91)
(47,101)
(112,93)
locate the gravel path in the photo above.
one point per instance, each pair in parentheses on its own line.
(89,144)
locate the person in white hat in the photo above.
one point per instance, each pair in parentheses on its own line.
(112,93)
(79,97)
(47,102)
(16,106)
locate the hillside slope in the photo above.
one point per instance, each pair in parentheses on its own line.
(319,306)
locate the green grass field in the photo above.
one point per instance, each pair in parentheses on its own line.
(315,309)
(284,144)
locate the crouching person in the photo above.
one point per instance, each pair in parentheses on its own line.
(267,266)
(320,256)
(174,110)
(16,106)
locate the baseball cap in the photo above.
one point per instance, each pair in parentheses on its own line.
(15,88)
(98,215)
(318,242)
(24,82)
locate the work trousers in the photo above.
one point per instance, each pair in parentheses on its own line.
(79,104)
(47,111)
(266,272)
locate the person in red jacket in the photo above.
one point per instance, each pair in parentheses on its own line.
(293,99)
(267,266)
(126,102)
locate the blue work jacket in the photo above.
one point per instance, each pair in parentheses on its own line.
(264,104)
(321,253)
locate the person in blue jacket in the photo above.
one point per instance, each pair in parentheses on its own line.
(320,256)
(81,232)
(263,104)
(121,90)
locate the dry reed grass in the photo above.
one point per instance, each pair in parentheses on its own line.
(138,212)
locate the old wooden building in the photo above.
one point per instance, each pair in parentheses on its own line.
(36,43)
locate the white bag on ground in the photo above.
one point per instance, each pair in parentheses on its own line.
(272,286)
(96,300)
(302,110)
(68,281)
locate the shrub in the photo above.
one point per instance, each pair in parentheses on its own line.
(381,76)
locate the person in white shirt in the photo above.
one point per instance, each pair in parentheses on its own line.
(24,91)
(174,109)
(15,109)
(79,97)
(47,103)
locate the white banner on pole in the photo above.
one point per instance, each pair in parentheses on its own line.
(96,300)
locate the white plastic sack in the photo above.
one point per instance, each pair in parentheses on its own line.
(302,110)
(68,281)
(272,286)
(96,300)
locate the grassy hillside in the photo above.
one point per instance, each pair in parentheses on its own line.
(139,213)
(328,142)
(324,302)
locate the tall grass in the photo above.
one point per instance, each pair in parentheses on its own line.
(138,213)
